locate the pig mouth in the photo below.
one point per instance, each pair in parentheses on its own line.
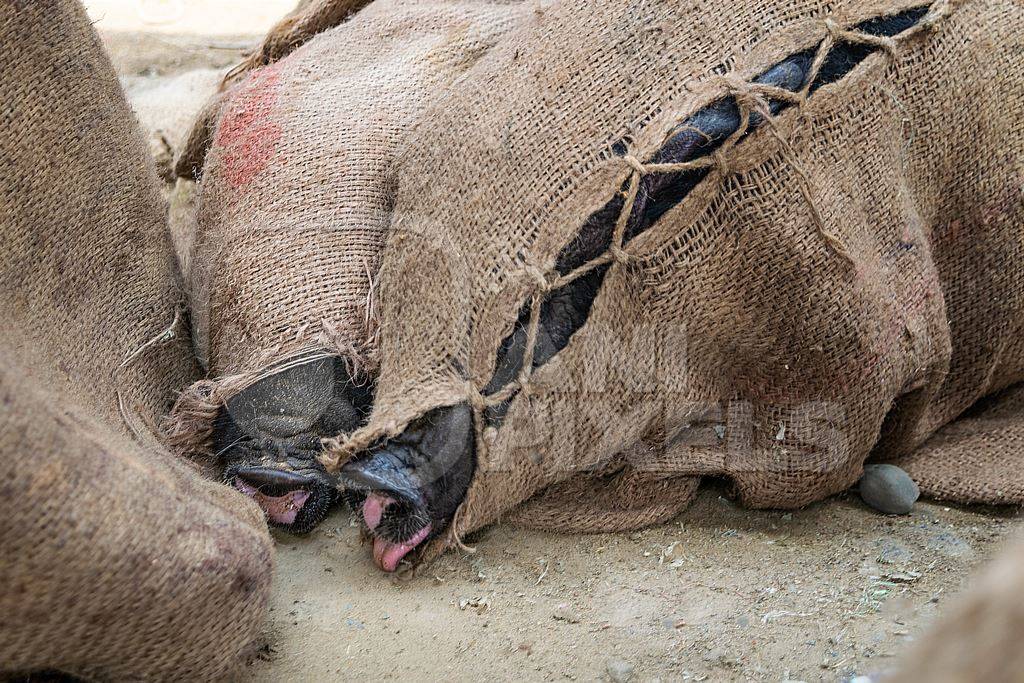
(294,502)
(281,509)
(406,490)
(396,526)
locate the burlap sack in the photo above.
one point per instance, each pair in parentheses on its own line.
(117,561)
(978,639)
(295,159)
(844,280)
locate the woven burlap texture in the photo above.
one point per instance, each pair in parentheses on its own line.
(844,282)
(296,165)
(120,562)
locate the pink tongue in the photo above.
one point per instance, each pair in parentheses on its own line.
(373,509)
(387,555)
(280,509)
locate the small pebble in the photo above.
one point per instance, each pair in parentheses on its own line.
(888,489)
(619,670)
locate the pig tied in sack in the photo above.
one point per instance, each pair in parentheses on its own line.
(645,243)
(118,561)
(295,166)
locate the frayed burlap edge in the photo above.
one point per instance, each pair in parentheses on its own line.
(189,427)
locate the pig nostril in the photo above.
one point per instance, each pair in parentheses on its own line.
(267,476)
(382,472)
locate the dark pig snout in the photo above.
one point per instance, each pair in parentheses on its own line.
(268,477)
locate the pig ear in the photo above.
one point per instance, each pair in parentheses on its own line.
(309,18)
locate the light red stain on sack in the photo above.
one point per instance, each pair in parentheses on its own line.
(248,133)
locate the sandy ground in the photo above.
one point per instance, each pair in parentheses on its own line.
(722,593)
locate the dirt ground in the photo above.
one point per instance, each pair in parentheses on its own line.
(722,593)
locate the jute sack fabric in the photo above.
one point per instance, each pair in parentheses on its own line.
(118,560)
(296,160)
(843,282)
(976,640)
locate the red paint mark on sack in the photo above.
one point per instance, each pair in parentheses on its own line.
(247,134)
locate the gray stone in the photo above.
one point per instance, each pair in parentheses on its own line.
(888,489)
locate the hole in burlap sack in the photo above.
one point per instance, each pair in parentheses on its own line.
(843,57)
(566,309)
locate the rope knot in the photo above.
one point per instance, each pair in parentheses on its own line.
(541,279)
(735,86)
(619,255)
(475,398)
(635,164)
(720,162)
